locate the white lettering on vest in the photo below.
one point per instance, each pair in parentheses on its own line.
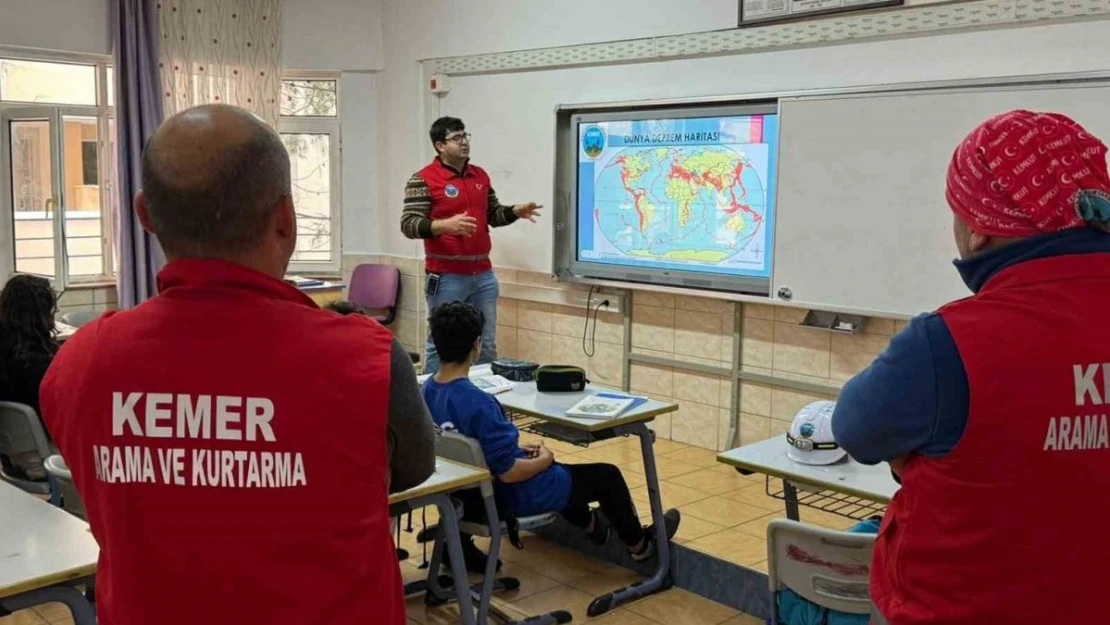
(196,418)
(1085,384)
(157,410)
(123,412)
(226,418)
(1079,433)
(260,411)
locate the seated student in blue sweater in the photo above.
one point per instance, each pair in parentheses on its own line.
(529,480)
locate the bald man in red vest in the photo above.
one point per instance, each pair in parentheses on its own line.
(993,408)
(234,445)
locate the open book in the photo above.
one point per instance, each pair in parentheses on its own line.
(603,406)
(492,384)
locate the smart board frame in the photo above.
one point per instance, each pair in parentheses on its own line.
(568,267)
(817,8)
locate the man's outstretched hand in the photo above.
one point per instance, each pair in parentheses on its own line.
(528,211)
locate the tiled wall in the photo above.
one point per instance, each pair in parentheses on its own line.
(683,328)
(97,299)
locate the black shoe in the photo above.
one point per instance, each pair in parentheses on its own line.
(602,530)
(474,558)
(671,520)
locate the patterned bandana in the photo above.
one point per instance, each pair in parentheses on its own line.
(1022,174)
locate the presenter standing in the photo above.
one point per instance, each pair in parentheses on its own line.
(451,205)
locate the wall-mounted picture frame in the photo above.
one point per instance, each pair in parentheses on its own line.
(762,12)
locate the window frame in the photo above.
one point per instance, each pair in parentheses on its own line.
(331,126)
(102,113)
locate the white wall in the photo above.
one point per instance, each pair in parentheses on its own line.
(331,34)
(358,97)
(488,26)
(66,25)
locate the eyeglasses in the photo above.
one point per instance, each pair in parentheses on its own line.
(460,138)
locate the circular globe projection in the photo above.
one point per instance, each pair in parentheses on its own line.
(689,203)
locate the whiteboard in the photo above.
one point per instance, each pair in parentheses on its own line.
(862,219)
(894,256)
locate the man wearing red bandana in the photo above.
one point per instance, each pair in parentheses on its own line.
(992,409)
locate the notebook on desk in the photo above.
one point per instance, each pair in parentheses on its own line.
(604,406)
(301,282)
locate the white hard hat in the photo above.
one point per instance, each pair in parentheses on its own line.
(810,438)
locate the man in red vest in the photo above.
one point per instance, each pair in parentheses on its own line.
(993,408)
(451,205)
(231,441)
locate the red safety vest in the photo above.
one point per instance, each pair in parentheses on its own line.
(1008,528)
(228,439)
(454,193)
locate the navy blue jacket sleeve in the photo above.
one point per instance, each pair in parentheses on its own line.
(913,398)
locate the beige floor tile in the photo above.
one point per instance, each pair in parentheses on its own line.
(417,612)
(677,606)
(562,598)
(723,511)
(673,495)
(613,454)
(825,519)
(23,617)
(601,583)
(732,545)
(701,458)
(54,612)
(759,566)
(621,617)
(665,466)
(756,495)
(531,582)
(558,563)
(711,482)
(692,527)
(758,527)
(744,619)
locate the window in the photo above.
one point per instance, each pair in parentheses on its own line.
(54,185)
(309,127)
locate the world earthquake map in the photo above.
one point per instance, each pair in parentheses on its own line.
(687,203)
(694,194)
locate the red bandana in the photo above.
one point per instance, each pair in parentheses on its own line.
(1021,173)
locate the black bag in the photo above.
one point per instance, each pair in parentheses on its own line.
(560,379)
(514,370)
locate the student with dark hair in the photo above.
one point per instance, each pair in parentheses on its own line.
(451,205)
(27,346)
(529,481)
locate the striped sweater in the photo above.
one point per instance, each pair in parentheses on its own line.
(416,221)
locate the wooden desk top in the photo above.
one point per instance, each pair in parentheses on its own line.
(40,545)
(847,476)
(449,476)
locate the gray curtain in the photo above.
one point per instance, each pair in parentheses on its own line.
(138,113)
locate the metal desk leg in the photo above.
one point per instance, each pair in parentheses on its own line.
(449,528)
(484,609)
(661,579)
(790,494)
(83,613)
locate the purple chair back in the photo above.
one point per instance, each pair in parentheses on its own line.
(376,287)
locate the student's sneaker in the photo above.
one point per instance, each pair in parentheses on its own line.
(671,519)
(602,529)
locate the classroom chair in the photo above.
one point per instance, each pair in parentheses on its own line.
(78,318)
(22,432)
(71,500)
(829,568)
(376,287)
(455,446)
